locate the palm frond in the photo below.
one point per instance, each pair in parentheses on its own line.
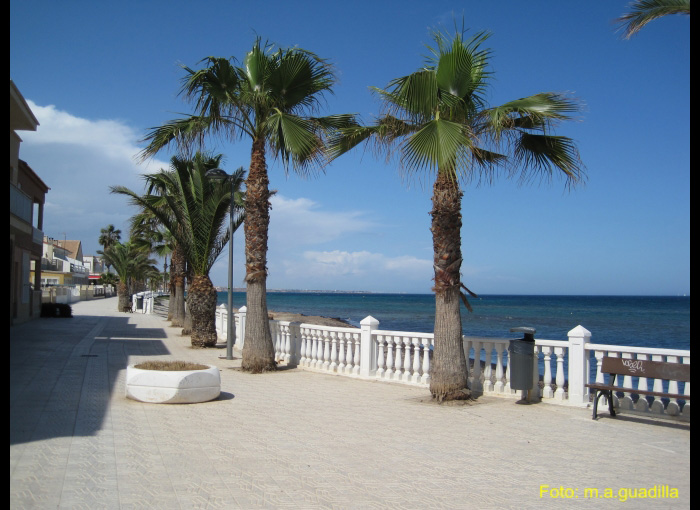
(645,11)
(191,206)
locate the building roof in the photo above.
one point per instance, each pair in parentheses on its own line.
(21,116)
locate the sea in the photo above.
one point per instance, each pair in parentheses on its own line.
(642,321)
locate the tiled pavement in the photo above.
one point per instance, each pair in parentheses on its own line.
(296,439)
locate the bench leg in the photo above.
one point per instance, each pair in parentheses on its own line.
(610,403)
(603,393)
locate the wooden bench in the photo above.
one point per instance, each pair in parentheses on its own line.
(637,368)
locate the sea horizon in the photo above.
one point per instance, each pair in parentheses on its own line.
(635,320)
(335,291)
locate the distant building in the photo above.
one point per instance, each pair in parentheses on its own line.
(96,266)
(62,263)
(27,195)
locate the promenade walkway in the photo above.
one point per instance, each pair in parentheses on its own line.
(299,440)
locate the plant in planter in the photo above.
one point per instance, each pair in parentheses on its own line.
(172,382)
(56,310)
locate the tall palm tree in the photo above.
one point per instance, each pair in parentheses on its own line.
(644,11)
(437,120)
(268,99)
(108,236)
(195,209)
(130,264)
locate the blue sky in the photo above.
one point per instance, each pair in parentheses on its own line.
(98,75)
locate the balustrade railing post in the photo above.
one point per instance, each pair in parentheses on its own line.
(368,354)
(578,376)
(240,334)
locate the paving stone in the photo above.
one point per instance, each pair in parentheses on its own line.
(296,439)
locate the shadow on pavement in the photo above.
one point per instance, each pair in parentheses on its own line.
(63,372)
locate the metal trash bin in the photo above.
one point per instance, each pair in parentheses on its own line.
(522,359)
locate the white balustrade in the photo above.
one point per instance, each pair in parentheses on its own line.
(403,357)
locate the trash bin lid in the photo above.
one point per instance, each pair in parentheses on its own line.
(528,333)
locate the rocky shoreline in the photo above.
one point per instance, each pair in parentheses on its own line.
(310,319)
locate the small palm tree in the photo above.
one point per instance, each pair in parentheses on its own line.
(194,208)
(267,99)
(154,238)
(438,121)
(644,11)
(130,264)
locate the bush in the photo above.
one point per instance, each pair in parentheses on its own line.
(56,310)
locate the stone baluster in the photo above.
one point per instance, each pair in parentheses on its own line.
(310,348)
(303,358)
(407,375)
(560,353)
(349,355)
(281,334)
(425,376)
(357,359)
(599,375)
(275,339)
(415,378)
(547,391)
(398,358)
(314,348)
(488,370)
(380,356)
(326,349)
(240,334)
(334,351)
(390,371)
(341,353)
(499,385)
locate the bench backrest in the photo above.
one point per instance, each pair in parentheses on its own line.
(647,368)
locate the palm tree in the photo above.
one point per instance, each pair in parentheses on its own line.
(108,236)
(644,11)
(438,121)
(268,100)
(130,264)
(194,208)
(151,236)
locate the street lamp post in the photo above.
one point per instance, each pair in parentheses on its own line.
(220,175)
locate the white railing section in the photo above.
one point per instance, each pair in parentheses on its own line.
(561,368)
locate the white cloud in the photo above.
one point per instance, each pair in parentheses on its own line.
(300,221)
(79,159)
(112,138)
(358,270)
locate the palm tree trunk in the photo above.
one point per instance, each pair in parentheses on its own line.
(201,301)
(177,270)
(123,300)
(187,323)
(448,369)
(258,351)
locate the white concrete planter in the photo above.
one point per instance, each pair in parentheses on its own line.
(173,387)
